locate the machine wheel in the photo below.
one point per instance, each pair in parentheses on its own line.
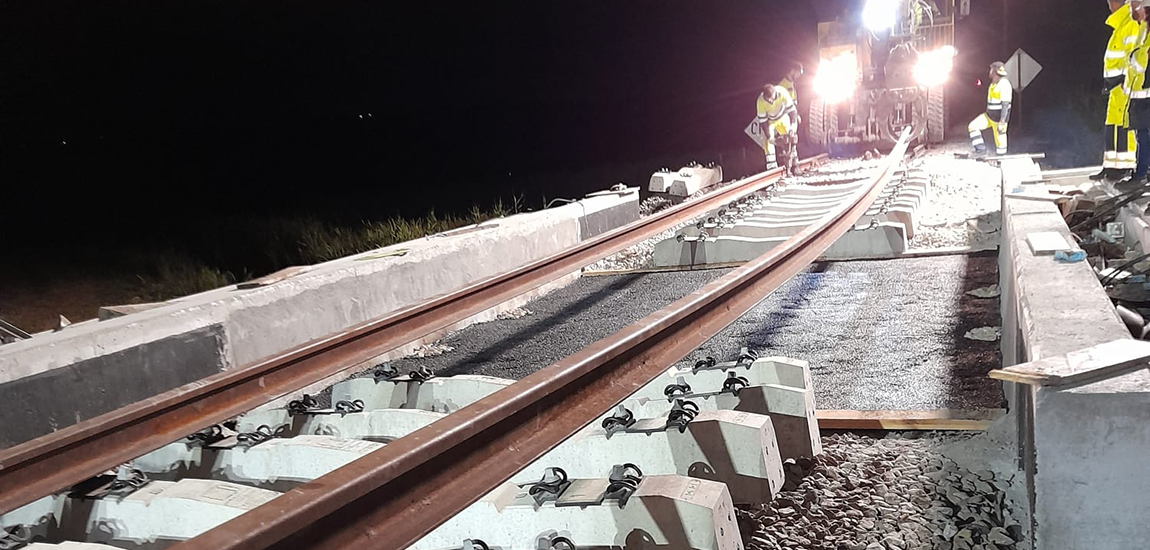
(936,115)
(885,112)
(816,117)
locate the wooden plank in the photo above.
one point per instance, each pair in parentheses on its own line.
(276,277)
(941,419)
(1046,197)
(1092,364)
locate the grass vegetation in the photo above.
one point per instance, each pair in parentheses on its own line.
(233,249)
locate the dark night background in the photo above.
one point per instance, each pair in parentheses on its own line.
(121,121)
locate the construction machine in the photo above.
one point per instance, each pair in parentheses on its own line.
(883,66)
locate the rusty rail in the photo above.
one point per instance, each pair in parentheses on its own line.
(53,462)
(393,496)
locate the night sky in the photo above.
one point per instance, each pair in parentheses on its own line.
(132,115)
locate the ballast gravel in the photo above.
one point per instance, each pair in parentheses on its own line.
(877,334)
(894,493)
(965,201)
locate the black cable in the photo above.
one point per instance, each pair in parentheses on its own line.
(1112,275)
(1128,198)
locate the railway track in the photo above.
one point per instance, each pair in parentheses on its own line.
(399,489)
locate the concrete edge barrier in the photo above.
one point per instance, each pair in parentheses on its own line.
(103,365)
(1080,449)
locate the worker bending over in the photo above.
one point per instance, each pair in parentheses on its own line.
(997,115)
(778,120)
(1119,158)
(1138,111)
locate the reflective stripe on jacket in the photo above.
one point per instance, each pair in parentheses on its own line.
(998,94)
(771,111)
(1122,42)
(1136,68)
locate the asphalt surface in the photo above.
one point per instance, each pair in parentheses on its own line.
(878,334)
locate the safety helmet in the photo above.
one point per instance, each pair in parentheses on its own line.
(796,66)
(999,68)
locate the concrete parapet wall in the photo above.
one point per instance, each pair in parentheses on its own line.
(1083,448)
(96,366)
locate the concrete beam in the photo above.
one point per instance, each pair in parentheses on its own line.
(1081,446)
(69,546)
(108,364)
(777,387)
(447,394)
(664,511)
(163,511)
(735,448)
(41,518)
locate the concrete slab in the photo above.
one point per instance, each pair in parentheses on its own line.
(281,463)
(735,448)
(41,518)
(685,182)
(881,240)
(165,511)
(664,511)
(445,395)
(777,387)
(69,546)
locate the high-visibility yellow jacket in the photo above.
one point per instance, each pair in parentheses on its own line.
(1135,85)
(773,111)
(789,85)
(1122,41)
(998,97)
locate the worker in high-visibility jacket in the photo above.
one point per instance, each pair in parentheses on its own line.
(1138,111)
(998,97)
(788,82)
(1119,158)
(777,117)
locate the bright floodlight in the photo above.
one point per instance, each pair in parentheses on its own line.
(837,78)
(933,68)
(880,15)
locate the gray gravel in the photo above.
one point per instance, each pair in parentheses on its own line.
(878,334)
(881,334)
(560,324)
(894,493)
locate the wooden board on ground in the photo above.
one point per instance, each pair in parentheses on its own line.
(1045,243)
(1081,367)
(1035,196)
(941,419)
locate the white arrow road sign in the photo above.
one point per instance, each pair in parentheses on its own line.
(1021,69)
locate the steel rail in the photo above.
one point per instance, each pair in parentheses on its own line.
(55,461)
(393,496)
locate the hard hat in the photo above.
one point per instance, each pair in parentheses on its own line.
(1000,67)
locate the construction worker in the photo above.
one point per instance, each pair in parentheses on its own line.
(998,97)
(1119,157)
(777,117)
(1138,111)
(788,82)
